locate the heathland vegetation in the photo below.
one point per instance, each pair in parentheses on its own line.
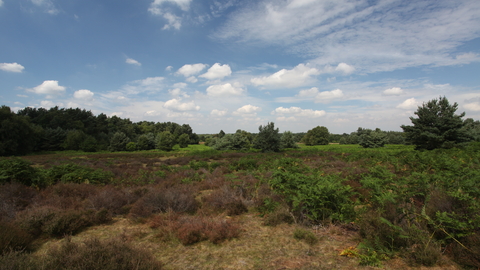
(242,200)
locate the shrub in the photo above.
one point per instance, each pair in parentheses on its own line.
(317,136)
(15,197)
(13,238)
(191,230)
(305,235)
(96,254)
(131,146)
(183,140)
(288,140)
(165,141)
(18,170)
(226,199)
(278,216)
(118,142)
(72,173)
(373,139)
(268,138)
(178,199)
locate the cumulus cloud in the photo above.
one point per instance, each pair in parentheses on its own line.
(11,67)
(177,105)
(1,3)
(217,71)
(312,92)
(328,95)
(218,113)
(133,62)
(83,94)
(48,88)
(409,104)
(395,91)
(247,110)
(296,77)
(298,112)
(48,104)
(345,68)
(189,70)
(224,90)
(474,106)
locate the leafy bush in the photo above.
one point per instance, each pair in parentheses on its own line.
(183,140)
(131,146)
(288,140)
(236,141)
(268,138)
(118,142)
(373,139)
(18,170)
(226,199)
(72,173)
(315,197)
(191,230)
(317,136)
(165,141)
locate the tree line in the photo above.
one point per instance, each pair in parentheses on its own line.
(38,129)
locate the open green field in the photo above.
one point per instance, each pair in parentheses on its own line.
(317,207)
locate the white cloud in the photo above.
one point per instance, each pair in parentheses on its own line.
(133,62)
(299,112)
(156,4)
(328,95)
(474,106)
(192,79)
(169,68)
(159,8)
(83,94)
(247,110)
(364,34)
(218,113)
(312,92)
(48,88)
(1,3)
(177,105)
(189,70)
(173,21)
(224,90)
(48,5)
(296,77)
(47,104)
(409,104)
(395,91)
(178,92)
(345,68)
(11,67)
(217,71)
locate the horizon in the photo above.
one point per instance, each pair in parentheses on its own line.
(240,64)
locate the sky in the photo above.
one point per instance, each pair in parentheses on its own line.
(238,64)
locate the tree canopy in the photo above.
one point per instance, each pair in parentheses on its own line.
(268,138)
(317,136)
(437,126)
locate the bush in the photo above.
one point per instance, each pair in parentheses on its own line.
(131,146)
(118,142)
(13,238)
(165,141)
(226,199)
(373,139)
(114,254)
(191,230)
(305,235)
(183,140)
(72,173)
(317,136)
(176,199)
(18,170)
(267,139)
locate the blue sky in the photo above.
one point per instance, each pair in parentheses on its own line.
(235,64)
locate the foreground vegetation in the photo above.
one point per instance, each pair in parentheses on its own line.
(321,207)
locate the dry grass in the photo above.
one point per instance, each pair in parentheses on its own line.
(257,247)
